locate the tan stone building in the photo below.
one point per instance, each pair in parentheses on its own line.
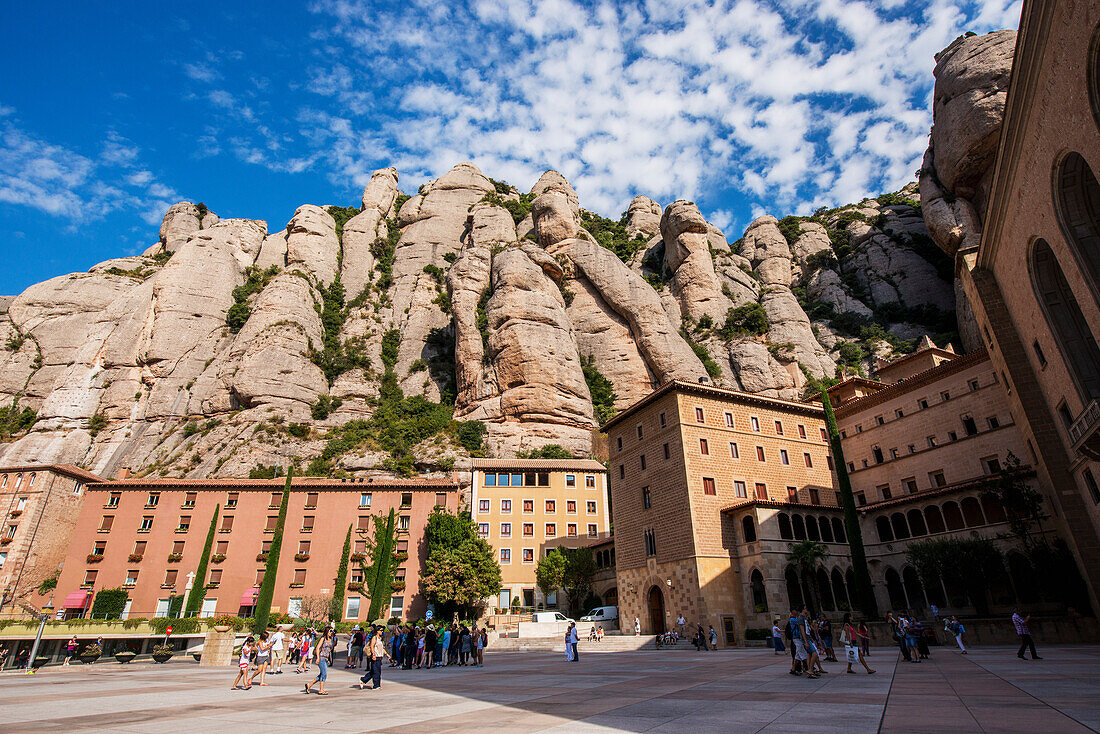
(923,443)
(40,505)
(1034,279)
(699,475)
(526,507)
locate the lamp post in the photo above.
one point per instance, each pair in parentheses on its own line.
(37,641)
(187,587)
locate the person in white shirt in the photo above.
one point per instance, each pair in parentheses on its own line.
(277,652)
(637,627)
(681,622)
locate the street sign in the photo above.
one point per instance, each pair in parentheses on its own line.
(428,614)
(168,631)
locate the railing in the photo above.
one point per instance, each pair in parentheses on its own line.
(1085,422)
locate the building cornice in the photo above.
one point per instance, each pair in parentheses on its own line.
(966,485)
(68,470)
(777,504)
(917,381)
(297,484)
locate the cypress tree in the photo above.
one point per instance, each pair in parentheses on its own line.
(864,594)
(198,588)
(383,561)
(336,610)
(271,568)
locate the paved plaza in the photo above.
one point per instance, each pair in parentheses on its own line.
(647,691)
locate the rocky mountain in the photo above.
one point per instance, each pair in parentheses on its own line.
(408,332)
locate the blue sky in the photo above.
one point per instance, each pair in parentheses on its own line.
(111,112)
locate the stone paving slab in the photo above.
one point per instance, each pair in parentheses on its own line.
(731,692)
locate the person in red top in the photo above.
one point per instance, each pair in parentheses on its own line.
(849,637)
(1024,633)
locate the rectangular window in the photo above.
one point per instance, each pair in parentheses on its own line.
(646,499)
(734,453)
(139,548)
(528,529)
(779,428)
(106,523)
(551,529)
(622,472)
(704,449)
(265,546)
(591,530)
(755,423)
(1039,354)
(783,458)
(551,507)
(619,443)
(884,491)
(272,521)
(792,494)
(807,460)
(815,496)
(829,461)
(221,547)
(363,522)
(973,384)
(740,490)
(146,524)
(544,479)
(483,529)
(931,442)
(571,507)
(505,555)
(154,499)
(661,418)
(231,500)
(528,506)
(571,529)
(307,524)
(402,522)
(276,500)
(876,452)
(112,501)
(506,530)
(131,578)
(189,499)
(170,577)
(528,555)
(910,485)
(529,479)
(639,430)
(502,480)
(861,499)
(729,420)
(969,426)
(936,479)
(303,546)
(506,506)
(353,608)
(899,413)
(311,499)
(89,577)
(824,435)
(185,523)
(759,453)
(490,480)
(590,507)
(893,453)
(517,480)
(641,461)
(570,480)
(922,404)
(801,431)
(650,543)
(991,465)
(406,499)
(708,486)
(993,422)
(666,451)
(1090,483)
(299,577)
(945,396)
(589,481)
(699,415)
(859,428)
(483,506)
(761,491)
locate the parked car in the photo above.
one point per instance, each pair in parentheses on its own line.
(602,614)
(552,617)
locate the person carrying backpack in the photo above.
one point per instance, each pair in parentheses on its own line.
(955,628)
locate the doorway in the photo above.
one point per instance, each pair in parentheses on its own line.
(729,630)
(656,611)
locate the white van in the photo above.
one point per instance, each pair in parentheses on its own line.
(552,617)
(602,614)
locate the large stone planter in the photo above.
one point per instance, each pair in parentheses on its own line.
(39,662)
(162,657)
(125,657)
(89,659)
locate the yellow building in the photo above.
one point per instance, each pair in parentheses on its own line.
(526,507)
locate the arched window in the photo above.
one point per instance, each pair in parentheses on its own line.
(901,530)
(885,532)
(18,480)
(839,592)
(4,481)
(748,528)
(1094,75)
(994,510)
(850,582)
(1075,340)
(912,587)
(30,483)
(934,519)
(1078,198)
(916,523)
(838,531)
(794,588)
(759,593)
(824,589)
(894,590)
(811,528)
(952,516)
(785,526)
(799,527)
(972,512)
(826,530)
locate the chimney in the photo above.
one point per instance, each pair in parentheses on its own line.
(123,473)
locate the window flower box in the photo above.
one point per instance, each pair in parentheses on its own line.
(5,541)
(261,557)
(355,586)
(175,557)
(135,557)
(357,557)
(296,585)
(217,558)
(301,556)
(15,513)
(398,585)
(95,557)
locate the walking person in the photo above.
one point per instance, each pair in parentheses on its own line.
(325,647)
(263,657)
(713,638)
(482,641)
(445,647)
(896,631)
(1024,633)
(637,627)
(680,622)
(955,628)
(798,646)
(355,650)
(277,652)
(851,649)
(376,650)
(864,638)
(777,638)
(243,662)
(70,649)
(825,628)
(571,639)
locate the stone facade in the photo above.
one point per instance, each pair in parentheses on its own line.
(1033,280)
(40,505)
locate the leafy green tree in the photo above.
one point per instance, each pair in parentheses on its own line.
(1023,503)
(378,575)
(807,557)
(337,608)
(967,563)
(461,568)
(271,568)
(198,588)
(109,603)
(549,451)
(863,595)
(569,570)
(600,388)
(549,572)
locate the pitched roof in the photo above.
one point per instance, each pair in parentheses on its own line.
(965,485)
(919,380)
(778,504)
(539,464)
(67,469)
(348,483)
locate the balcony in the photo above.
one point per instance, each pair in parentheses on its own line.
(1085,432)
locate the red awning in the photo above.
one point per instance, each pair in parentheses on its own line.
(248,599)
(76,600)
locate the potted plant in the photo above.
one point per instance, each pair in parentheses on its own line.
(162,653)
(90,654)
(223,623)
(217,558)
(261,558)
(135,557)
(174,557)
(301,557)
(95,557)
(125,656)
(39,662)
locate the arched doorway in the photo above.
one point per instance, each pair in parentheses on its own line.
(656,611)
(794,589)
(894,590)
(759,593)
